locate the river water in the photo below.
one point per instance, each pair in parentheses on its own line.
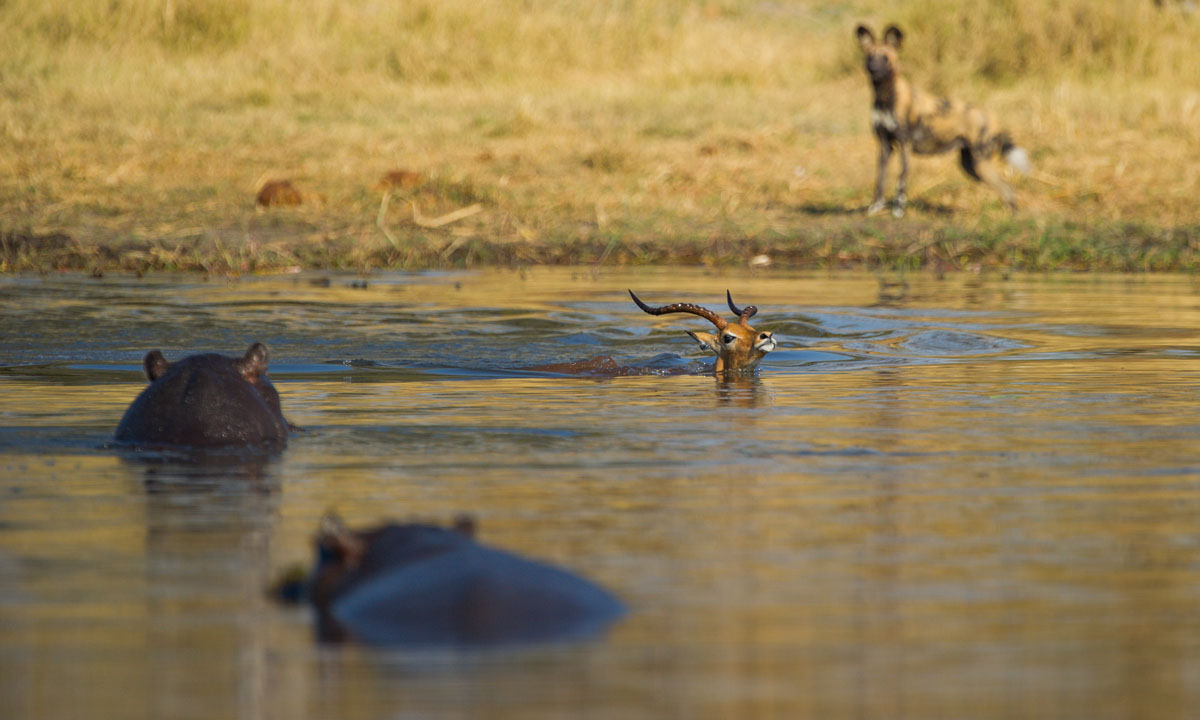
(974,496)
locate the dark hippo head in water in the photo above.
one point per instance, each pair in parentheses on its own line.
(426,585)
(206,401)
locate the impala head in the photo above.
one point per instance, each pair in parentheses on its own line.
(738,346)
(882,60)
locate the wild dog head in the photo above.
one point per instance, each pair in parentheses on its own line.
(883,62)
(738,346)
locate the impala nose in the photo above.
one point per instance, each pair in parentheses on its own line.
(766,342)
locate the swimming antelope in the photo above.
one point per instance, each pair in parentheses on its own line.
(738,346)
(905,117)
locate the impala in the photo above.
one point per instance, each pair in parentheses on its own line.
(738,346)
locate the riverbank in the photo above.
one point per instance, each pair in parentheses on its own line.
(461,134)
(1012,245)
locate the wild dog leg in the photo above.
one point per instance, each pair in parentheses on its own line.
(885,153)
(902,183)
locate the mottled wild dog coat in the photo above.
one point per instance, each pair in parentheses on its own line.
(904,117)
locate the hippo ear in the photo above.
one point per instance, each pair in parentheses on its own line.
(465,525)
(336,542)
(892,36)
(866,38)
(254,363)
(155,365)
(332,528)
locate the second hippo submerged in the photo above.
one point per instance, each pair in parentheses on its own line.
(206,401)
(422,585)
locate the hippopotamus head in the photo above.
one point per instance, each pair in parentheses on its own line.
(206,401)
(416,584)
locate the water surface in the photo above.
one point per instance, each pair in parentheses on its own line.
(975,496)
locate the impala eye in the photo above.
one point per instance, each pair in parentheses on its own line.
(727,338)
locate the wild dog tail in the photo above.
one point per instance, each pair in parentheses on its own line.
(1015,155)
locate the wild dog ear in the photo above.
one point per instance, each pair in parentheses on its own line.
(866,38)
(254,363)
(707,341)
(892,36)
(154,365)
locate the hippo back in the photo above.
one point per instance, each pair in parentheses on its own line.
(206,401)
(422,585)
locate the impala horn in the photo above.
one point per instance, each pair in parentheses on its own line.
(745,313)
(705,313)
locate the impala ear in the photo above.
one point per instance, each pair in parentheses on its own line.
(707,341)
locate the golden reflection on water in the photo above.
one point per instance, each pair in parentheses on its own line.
(1008,534)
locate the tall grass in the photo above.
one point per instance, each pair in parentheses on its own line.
(425,42)
(1007,40)
(477,41)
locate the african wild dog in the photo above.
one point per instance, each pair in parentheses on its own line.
(905,117)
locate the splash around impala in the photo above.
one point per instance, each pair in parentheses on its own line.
(737,345)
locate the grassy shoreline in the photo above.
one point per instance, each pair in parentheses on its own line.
(1012,245)
(628,132)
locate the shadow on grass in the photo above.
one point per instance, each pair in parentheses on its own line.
(835,210)
(831,209)
(931,208)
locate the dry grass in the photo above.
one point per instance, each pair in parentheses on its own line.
(623,131)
